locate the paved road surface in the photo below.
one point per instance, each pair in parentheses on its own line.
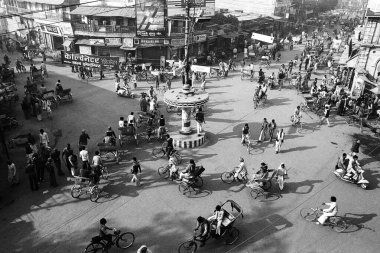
(50,220)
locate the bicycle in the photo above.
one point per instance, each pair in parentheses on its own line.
(335,222)
(258,190)
(81,186)
(161,151)
(187,186)
(297,124)
(122,241)
(228,177)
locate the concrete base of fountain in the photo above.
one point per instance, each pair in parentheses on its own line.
(188,141)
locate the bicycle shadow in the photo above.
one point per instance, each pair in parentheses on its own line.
(356,222)
(303,187)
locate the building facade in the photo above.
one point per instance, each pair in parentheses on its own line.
(261,7)
(47,22)
(367,68)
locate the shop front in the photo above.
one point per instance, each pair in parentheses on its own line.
(150,50)
(55,36)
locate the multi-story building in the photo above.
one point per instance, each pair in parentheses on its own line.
(44,22)
(367,67)
(104,30)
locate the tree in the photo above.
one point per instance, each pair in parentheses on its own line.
(221,19)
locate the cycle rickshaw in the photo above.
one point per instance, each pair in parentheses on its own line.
(49,96)
(188,186)
(65,96)
(264,61)
(37,77)
(127,133)
(85,184)
(108,153)
(229,232)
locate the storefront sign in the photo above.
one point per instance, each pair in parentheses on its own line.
(127,42)
(85,50)
(96,41)
(51,29)
(151,42)
(178,42)
(200,38)
(150,34)
(113,41)
(150,17)
(92,61)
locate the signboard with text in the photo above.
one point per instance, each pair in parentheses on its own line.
(92,61)
(150,18)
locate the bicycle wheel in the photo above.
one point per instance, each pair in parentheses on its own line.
(158,152)
(198,182)
(75,191)
(163,172)
(267,185)
(256,192)
(94,193)
(105,173)
(125,240)
(188,247)
(184,189)
(308,214)
(232,236)
(227,177)
(340,225)
(95,248)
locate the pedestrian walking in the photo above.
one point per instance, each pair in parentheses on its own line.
(44,138)
(169,84)
(279,140)
(25,108)
(157,82)
(355,148)
(50,170)
(136,168)
(272,129)
(264,130)
(83,138)
(200,118)
(55,155)
(101,72)
(300,65)
(307,63)
(38,110)
(30,170)
(12,173)
(326,115)
(85,157)
(66,153)
(203,81)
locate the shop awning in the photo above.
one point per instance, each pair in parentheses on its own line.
(98,11)
(67,42)
(351,63)
(128,48)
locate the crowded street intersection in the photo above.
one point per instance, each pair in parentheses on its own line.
(155,209)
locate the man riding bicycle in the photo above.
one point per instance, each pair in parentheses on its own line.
(241,170)
(189,172)
(297,115)
(260,177)
(203,226)
(245,134)
(103,232)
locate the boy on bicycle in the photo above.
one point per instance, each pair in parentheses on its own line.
(103,232)
(245,134)
(240,170)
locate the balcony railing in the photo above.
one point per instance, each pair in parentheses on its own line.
(104,28)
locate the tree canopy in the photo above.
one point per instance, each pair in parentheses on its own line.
(221,19)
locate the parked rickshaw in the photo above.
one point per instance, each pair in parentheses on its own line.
(37,76)
(49,96)
(108,153)
(127,134)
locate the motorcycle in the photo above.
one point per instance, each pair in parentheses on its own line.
(125,92)
(358,179)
